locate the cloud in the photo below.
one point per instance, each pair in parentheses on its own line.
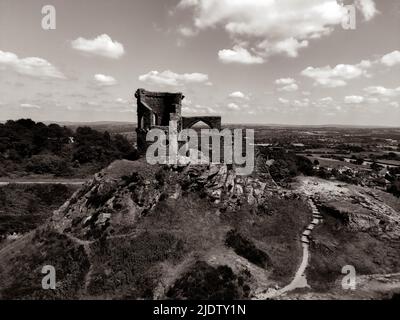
(391,59)
(271,27)
(102,45)
(233,106)
(104,81)
(288,46)
(31,66)
(368,8)
(186,102)
(30,106)
(283,101)
(289,88)
(326,100)
(382,91)
(169,78)
(199,109)
(239,95)
(187,32)
(295,103)
(289,84)
(301,103)
(121,101)
(353,99)
(394,104)
(285,81)
(238,55)
(338,76)
(187,3)
(372,100)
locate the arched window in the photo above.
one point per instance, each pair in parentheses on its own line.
(200,124)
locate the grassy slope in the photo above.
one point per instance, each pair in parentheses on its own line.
(163,247)
(336,246)
(25,207)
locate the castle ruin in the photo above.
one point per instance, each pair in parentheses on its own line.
(156,109)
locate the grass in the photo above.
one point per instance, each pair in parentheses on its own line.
(25,207)
(245,248)
(275,229)
(129,262)
(21,275)
(336,246)
(204,282)
(128,267)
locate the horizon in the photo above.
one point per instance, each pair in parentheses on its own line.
(328,125)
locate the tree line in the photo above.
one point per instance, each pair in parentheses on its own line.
(28,147)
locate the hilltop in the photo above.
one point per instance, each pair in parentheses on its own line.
(137,231)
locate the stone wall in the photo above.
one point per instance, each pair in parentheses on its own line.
(158,105)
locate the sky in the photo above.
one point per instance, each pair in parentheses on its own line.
(250,61)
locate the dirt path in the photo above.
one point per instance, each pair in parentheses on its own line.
(299,280)
(54,181)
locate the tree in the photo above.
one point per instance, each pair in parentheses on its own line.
(49,164)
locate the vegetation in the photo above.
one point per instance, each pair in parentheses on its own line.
(276,228)
(27,147)
(24,208)
(245,248)
(337,245)
(204,282)
(128,266)
(44,247)
(287,165)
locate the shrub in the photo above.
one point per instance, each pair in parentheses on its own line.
(245,248)
(204,282)
(48,164)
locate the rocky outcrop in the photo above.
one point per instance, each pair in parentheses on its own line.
(354,208)
(116,197)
